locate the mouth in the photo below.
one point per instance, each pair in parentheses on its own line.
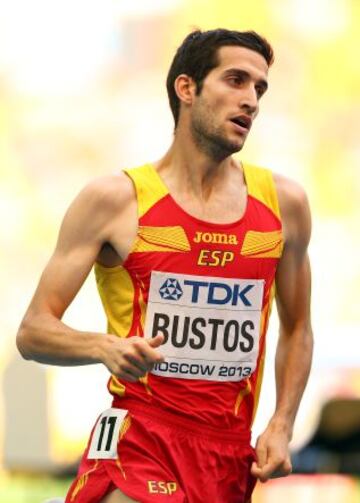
(242,123)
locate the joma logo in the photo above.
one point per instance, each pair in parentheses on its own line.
(215,237)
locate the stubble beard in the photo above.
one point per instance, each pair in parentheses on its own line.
(211,139)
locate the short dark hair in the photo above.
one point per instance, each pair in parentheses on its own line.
(197,56)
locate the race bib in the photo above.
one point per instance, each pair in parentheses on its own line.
(211,325)
(106,433)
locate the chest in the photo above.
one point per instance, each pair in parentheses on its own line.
(219,209)
(171,240)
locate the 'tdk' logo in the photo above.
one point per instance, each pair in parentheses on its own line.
(171,289)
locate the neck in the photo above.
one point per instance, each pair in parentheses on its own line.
(190,169)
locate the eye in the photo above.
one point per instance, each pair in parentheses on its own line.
(236,80)
(260,90)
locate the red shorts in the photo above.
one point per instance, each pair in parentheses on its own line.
(169,459)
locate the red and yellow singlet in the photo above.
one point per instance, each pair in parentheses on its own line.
(208,288)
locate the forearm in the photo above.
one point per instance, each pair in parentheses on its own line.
(292,368)
(46,339)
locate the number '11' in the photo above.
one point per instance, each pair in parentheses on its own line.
(111,421)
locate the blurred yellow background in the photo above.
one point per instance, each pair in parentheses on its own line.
(82,94)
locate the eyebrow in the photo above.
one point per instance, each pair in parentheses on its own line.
(243,73)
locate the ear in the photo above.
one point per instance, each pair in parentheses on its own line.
(185,88)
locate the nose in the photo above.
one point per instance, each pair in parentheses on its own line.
(249,99)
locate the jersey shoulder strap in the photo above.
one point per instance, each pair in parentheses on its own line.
(148,185)
(260,184)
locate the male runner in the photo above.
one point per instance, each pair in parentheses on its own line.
(197,242)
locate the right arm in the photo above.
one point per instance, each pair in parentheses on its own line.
(42,336)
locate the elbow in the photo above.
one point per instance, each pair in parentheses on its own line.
(309,336)
(22,341)
(307,342)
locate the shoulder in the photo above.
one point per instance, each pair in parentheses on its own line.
(294,208)
(291,195)
(108,192)
(94,209)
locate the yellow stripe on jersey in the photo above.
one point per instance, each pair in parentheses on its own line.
(142,305)
(124,427)
(262,244)
(120,466)
(148,185)
(117,302)
(243,392)
(123,430)
(145,381)
(171,239)
(264,318)
(116,387)
(258,384)
(82,481)
(261,186)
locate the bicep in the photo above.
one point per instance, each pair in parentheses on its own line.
(293,276)
(80,239)
(62,279)
(293,289)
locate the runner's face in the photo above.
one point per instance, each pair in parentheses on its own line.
(222,114)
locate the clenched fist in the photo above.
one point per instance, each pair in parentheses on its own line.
(131,357)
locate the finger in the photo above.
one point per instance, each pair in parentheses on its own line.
(149,355)
(288,466)
(257,473)
(132,370)
(127,376)
(261,454)
(284,469)
(267,470)
(152,355)
(138,362)
(156,341)
(260,474)
(255,469)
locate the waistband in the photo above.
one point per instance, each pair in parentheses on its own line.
(182,423)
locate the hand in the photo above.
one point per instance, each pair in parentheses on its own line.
(131,357)
(273,457)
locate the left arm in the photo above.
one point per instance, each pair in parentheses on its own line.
(295,344)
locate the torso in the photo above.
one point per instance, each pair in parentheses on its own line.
(222,208)
(166,234)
